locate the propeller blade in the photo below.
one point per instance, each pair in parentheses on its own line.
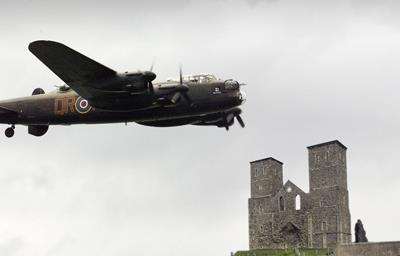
(149,76)
(151,87)
(229,119)
(184,88)
(240,120)
(180,75)
(152,64)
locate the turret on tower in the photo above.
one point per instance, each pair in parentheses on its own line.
(266,177)
(327,165)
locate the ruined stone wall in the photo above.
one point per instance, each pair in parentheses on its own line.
(322,218)
(369,249)
(260,222)
(278,230)
(325,227)
(274,222)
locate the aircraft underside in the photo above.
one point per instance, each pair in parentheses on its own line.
(39,123)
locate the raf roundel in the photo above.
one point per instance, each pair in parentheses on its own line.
(82,106)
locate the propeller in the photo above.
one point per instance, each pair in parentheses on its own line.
(150,85)
(150,76)
(180,74)
(240,120)
(177,90)
(152,64)
(182,90)
(229,120)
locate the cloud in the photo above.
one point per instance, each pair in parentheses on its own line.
(11,246)
(256,2)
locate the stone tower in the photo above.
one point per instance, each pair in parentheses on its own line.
(329,194)
(282,215)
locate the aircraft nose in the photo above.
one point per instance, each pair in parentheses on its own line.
(231,84)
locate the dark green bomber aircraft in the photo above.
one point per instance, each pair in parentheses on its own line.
(94,93)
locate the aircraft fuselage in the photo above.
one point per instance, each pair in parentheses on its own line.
(65,108)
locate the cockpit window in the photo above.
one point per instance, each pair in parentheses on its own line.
(63,88)
(203,78)
(231,84)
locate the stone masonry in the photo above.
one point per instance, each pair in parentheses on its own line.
(283,215)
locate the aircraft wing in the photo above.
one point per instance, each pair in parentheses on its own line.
(74,68)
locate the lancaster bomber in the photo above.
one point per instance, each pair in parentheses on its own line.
(94,94)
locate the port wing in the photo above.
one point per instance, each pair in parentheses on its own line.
(74,68)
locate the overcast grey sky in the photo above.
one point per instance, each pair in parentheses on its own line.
(316,71)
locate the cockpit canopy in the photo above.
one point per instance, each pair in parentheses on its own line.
(63,88)
(202,78)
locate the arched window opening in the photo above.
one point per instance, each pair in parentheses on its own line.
(281,204)
(298,202)
(323,226)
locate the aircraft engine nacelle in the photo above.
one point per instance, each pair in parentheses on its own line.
(219,120)
(224,120)
(38,130)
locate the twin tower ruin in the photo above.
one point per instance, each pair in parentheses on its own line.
(283,215)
